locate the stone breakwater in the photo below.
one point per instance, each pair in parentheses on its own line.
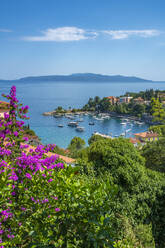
(52,113)
(49,113)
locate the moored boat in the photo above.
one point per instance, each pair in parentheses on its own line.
(80,129)
(57,115)
(60,125)
(73,124)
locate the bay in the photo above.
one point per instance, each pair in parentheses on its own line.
(46,96)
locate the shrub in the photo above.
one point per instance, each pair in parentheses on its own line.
(44,203)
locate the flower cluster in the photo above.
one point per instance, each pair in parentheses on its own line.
(27,176)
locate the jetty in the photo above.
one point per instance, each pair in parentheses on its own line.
(103,135)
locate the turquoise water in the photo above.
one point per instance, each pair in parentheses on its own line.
(46,96)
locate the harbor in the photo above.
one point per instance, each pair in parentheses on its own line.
(86,124)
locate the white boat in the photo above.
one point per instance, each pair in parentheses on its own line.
(123,123)
(99,119)
(73,124)
(139,123)
(125,119)
(60,125)
(128,130)
(106,117)
(71,117)
(80,129)
(102,135)
(57,116)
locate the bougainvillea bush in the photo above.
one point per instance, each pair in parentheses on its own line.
(43,202)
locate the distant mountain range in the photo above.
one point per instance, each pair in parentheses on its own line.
(80,77)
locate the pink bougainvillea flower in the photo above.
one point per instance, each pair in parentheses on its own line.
(28,176)
(57,209)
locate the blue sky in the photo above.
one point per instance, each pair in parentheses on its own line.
(46,37)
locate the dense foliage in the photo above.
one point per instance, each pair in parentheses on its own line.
(159,129)
(75,146)
(139,203)
(28,131)
(154,153)
(157,110)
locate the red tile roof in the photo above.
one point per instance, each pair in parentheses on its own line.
(64,158)
(146,134)
(133,140)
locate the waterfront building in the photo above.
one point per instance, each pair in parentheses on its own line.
(138,100)
(146,136)
(134,141)
(112,99)
(125,99)
(4,108)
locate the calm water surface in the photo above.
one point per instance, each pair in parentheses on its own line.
(42,97)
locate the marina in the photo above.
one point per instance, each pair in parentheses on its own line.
(102,124)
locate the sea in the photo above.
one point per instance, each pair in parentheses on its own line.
(46,96)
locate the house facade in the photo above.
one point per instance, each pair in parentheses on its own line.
(112,99)
(146,136)
(125,99)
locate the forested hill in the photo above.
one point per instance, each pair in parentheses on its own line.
(83,77)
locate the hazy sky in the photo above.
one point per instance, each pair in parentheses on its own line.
(43,37)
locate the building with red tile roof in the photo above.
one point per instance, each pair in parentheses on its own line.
(139,100)
(4,107)
(112,99)
(146,136)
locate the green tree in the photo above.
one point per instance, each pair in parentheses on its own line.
(157,110)
(121,108)
(95,138)
(76,145)
(60,109)
(138,109)
(139,190)
(91,102)
(159,129)
(97,99)
(86,107)
(154,153)
(104,105)
(119,157)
